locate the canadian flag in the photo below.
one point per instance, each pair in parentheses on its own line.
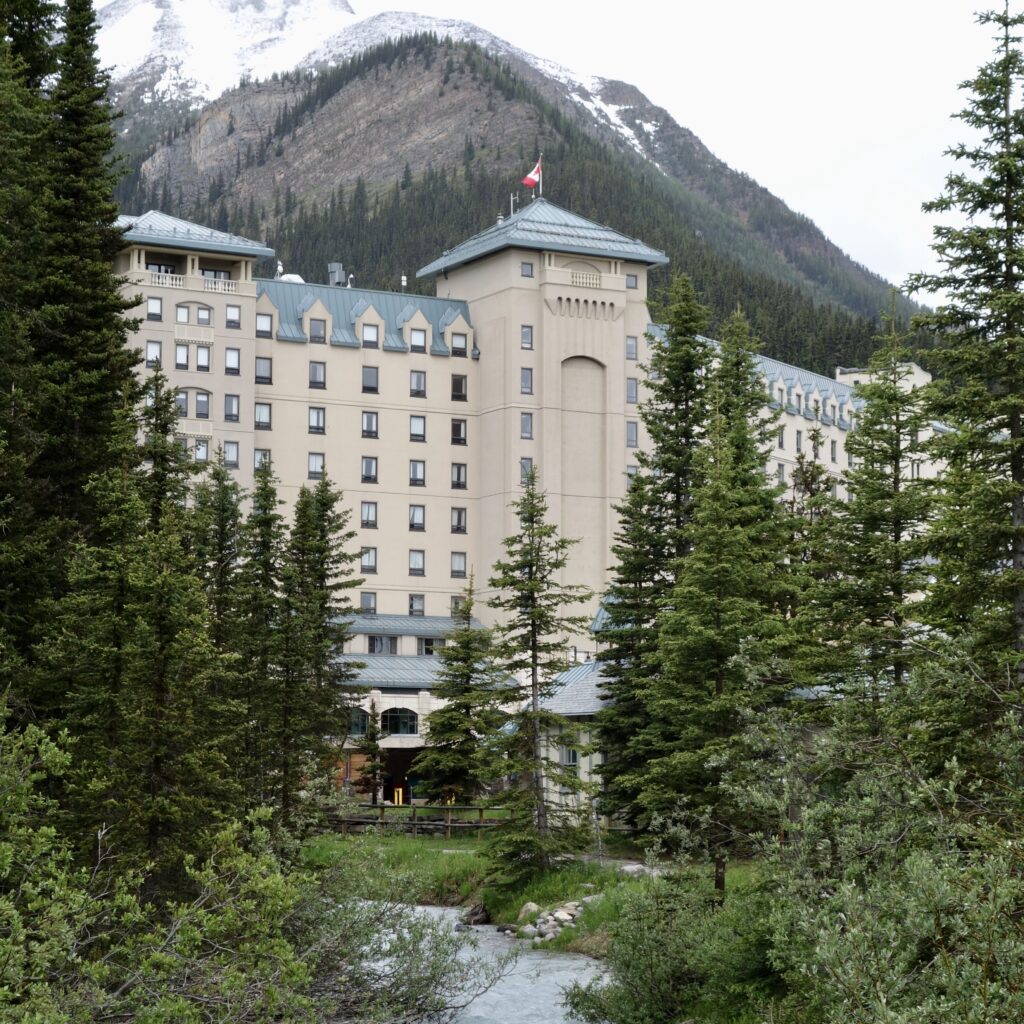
(533,178)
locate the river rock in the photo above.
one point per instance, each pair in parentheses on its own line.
(527,931)
(506,928)
(632,870)
(562,916)
(477,914)
(592,899)
(528,910)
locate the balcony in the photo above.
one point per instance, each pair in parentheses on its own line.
(189,427)
(192,283)
(194,334)
(580,279)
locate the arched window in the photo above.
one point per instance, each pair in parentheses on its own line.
(358,723)
(399,722)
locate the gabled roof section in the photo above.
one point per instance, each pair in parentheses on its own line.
(577,693)
(156,228)
(543,226)
(345,305)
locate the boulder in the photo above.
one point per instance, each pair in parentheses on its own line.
(477,914)
(528,910)
(527,931)
(562,916)
(506,928)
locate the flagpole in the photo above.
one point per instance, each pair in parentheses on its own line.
(540,175)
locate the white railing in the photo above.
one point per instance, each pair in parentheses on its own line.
(581,279)
(167,280)
(214,284)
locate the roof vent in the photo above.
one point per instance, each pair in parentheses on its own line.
(501,218)
(335,274)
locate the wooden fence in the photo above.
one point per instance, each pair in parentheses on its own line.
(415,819)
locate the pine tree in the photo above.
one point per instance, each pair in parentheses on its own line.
(461,758)
(722,637)
(313,692)
(532,638)
(371,771)
(979,537)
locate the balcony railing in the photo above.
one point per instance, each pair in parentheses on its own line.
(194,283)
(581,279)
(193,333)
(213,284)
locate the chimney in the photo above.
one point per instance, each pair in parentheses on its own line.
(335,274)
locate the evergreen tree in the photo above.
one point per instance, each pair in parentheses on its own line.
(313,692)
(31,27)
(532,639)
(371,771)
(722,636)
(461,757)
(979,536)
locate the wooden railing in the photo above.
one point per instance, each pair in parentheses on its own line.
(415,819)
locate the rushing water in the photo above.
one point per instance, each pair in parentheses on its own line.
(531,993)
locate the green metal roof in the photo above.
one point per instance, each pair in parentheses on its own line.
(403,625)
(387,671)
(156,228)
(293,298)
(543,226)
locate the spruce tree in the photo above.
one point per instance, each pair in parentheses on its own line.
(461,758)
(979,398)
(370,774)
(533,634)
(722,638)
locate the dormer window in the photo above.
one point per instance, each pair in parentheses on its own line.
(459,345)
(264,325)
(417,340)
(317,331)
(371,336)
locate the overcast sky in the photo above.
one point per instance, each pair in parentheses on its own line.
(840,109)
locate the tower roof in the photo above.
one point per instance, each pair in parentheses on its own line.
(543,226)
(156,228)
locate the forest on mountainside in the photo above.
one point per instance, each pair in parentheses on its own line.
(741,246)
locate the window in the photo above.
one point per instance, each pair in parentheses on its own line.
(215,275)
(370,380)
(262,416)
(833,412)
(460,389)
(368,561)
(181,357)
(203,358)
(459,435)
(201,452)
(231,454)
(264,370)
(631,281)
(260,457)
(154,308)
(418,383)
(317,331)
(428,645)
(232,361)
(376,644)
(417,562)
(317,419)
(569,758)
(525,269)
(631,390)
(526,426)
(780,438)
(315,465)
(459,476)
(358,722)
(152,354)
(181,402)
(161,268)
(526,336)
(417,473)
(417,604)
(526,381)
(632,433)
(204,316)
(525,469)
(834,450)
(458,565)
(417,428)
(368,515)
(231,403)
(780,472)
(368,602)
(371,336)
(798,401)
(233,317)
(181,314)
(399,722)
(915,469)
(417,339)
(317,375)
(369,470)
(264,325)
(202,405)
(459,345)
(631,472)
(630,347)
(458,520)
(417,517)
(799,441)
(369,424)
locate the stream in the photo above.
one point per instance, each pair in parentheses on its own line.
(532,992)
